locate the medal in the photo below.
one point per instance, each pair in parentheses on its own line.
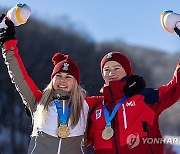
(107,133)
(63,131)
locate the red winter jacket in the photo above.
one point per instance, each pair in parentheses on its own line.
(135,121)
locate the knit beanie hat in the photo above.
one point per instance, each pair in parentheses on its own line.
(120,58)
(63,63)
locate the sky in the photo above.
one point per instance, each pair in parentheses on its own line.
(135,22)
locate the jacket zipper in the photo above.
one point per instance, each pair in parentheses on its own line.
(113,121)
(125,126)
(82,145)
(59,146)
(35,145)
(115,142)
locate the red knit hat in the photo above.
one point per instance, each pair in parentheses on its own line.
(63,63)
(120,58)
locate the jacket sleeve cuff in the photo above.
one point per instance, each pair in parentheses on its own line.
(10,45)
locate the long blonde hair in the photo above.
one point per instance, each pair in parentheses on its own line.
(77,100)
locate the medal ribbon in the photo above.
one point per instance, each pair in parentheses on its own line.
(62,117)
(108,117)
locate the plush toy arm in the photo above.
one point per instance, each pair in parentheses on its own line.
(170,21)
(177,31)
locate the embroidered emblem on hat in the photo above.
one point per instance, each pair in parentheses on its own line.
(65,67)
(109,55)
(98,113)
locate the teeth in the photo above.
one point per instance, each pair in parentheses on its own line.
(62,86)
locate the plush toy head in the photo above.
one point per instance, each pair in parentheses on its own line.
(19,14)
(170,21)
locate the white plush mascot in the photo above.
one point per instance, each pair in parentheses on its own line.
(18,15)
(170,21)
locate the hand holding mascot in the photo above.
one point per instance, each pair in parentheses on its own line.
(16,16)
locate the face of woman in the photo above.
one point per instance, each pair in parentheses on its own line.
(63,81)
(112,71)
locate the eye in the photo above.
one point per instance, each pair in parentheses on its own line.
(106,69)
(69,77)
(58,75)
(117,68)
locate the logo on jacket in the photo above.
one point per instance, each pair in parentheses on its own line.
(131,103)
(133,140)
(98,113)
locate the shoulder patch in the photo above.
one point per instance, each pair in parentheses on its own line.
(151,95)
(98,113)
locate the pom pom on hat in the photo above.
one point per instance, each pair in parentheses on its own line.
(58,57)
(120,58)
(63,63)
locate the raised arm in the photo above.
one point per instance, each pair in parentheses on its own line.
(24,84)
(166,95)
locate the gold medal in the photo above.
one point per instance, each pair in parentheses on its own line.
(63,131)
(107,133)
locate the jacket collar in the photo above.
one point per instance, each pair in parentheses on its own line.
(114,91)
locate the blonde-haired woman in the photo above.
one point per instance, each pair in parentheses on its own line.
(60,111)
